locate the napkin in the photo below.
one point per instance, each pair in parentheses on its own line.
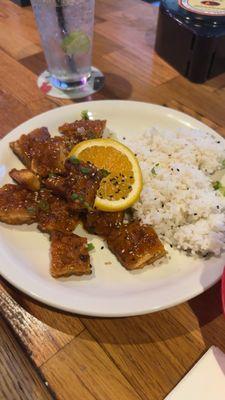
(205,381)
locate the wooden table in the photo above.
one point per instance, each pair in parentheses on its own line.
(44,351)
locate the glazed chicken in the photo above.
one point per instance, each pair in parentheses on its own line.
(49,157)
(135,245)
(102,223)
(51,191)
(41,153)
(26,179)
(56,191)
(17,205)
(23,147)
(69,255)
(78,185)
(53,213)
(83,130)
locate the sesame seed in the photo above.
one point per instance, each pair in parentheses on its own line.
(102,247)
(178,170)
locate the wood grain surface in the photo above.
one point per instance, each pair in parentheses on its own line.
(18,379)
(91,358)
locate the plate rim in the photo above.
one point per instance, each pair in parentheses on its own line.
(111,313)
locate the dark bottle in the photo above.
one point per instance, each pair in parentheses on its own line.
(191,37)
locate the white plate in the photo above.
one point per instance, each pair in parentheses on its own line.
(110,290)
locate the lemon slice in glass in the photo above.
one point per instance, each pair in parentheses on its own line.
(76,42)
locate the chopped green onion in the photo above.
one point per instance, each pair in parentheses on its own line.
(153,171)
(51,175)
(43,205)
(31,209)
(74,196)
(74,160)
(90,246)
(222,190)
(130,212)
(84,115)
(105,172)
(85,170)
(223,163)
(217,185)
(87,205)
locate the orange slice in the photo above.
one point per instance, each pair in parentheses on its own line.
(121,187)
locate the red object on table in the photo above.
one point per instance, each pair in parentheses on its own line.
(223,291)
(45,87)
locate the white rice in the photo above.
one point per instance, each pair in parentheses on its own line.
(178,198)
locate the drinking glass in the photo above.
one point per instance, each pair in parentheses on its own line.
(66,31)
